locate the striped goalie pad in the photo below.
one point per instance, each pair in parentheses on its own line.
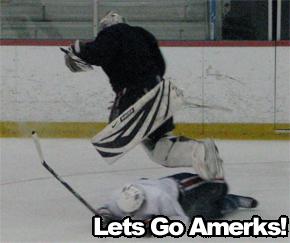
(138,121)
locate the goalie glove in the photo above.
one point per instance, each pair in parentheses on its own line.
(72,61)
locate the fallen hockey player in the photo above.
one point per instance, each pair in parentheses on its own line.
(179,197)
(131,58)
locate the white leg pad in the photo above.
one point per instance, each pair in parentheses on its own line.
(171,152)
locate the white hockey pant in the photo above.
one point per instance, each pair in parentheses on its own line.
(171,151)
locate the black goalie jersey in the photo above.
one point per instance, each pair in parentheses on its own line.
(129,55)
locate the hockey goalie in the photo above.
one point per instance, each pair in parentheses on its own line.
(145,103)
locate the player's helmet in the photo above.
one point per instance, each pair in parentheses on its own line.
(131,198)
(110,19)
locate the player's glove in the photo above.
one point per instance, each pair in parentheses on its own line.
(147,222)
(106,215)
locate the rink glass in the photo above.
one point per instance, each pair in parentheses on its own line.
(176,20)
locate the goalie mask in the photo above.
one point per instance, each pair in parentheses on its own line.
(111,18)
(131,198)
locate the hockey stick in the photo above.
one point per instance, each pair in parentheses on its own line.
(188,104)
(212,107)
(65,184)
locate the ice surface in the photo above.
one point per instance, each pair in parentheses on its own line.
(37,208)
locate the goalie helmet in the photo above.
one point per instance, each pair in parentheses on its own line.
(110,19)
(131,198)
